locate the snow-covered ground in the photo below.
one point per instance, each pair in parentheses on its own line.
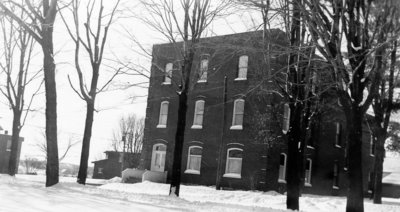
(28,193)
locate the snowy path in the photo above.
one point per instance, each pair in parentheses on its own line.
(27,194)
(29,197)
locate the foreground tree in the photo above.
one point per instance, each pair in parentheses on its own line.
(15,68)
(41,16)
(93,43)
(331,26)
(186,23)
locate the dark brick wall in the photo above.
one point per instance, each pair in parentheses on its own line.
(260,163)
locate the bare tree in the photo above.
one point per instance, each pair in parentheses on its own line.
(128,138)
(130,130)
(383,103)
(185,21)
(18,46)
(32,165)
(93,42)
(343,33)
(41,16)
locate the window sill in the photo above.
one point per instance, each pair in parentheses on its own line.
(166,83)
(8,150)
(240,79)
(197,127)
(335,187)
(161,126)
(191,171)
(281,181)
(371,155)
(338,146)
(310,147)
(232,175)
(236,127)
(201,81)
(307,185)
(285,131)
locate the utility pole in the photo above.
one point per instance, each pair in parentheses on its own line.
(221,144)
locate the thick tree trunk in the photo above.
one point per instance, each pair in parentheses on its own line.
(49,67)
(294,162)
(13,162)
(378,167)
(180,131)
(82,174)
(355,190)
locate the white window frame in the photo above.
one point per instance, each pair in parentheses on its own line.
(286,118)
(163,125)
(307,180)
(227,173)
(372,145)
(193,171)
(338,134)
(203,70)
(243,67)
(282,168)
(197,112)
(168,73)
(335,175)
(8,145)
(236,126)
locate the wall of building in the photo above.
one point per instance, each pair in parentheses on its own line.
(260,162)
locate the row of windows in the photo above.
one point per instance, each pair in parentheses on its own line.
(203,70)
(237,119)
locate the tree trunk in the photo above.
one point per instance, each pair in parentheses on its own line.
(378,167)
(180,131)
(355,191)
(13,162)
(294,161)
(49,67)
(82,174)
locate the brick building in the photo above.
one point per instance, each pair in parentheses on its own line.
(243,136)
(5,151)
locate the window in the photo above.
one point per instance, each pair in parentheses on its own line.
(372,146)
(162,122)
(243,64)
(338,135)
(336,175)
(286,118)
(282,168)
(234,163)
(203,70)
(308,172)
(194,160)
(8,148)
(238,111)
(168,74)
(100,171)
(198,115)
(158,157)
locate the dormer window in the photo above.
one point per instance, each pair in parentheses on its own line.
(243,65)
(203,70)
(168,73)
